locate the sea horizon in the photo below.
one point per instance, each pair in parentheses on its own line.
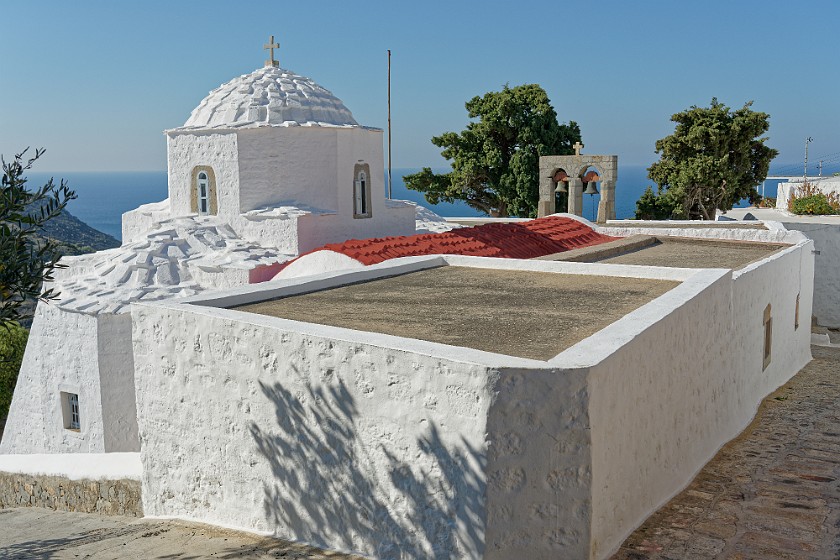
(103,196)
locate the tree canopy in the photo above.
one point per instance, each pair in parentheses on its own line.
(27,259)
(714,158)
(495,160)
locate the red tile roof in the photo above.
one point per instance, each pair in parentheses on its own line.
(521,240)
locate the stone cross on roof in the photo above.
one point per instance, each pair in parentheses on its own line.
(578,146)
(271,46)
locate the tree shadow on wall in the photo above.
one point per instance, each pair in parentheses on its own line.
(328,490)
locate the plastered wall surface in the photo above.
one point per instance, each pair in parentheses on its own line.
(287,164)
(185,151)
(61,355)
(357,145)
(516,438)
(539,472)
(664,404)
(116,367)
(393,442)
(136,223)
(826,270)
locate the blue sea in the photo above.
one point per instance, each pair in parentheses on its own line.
(104,196)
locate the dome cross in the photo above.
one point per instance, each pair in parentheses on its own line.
(271,46)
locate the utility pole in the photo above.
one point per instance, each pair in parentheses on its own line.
(807,141)
(390,179)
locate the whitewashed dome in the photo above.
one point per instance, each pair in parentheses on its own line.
(270,96)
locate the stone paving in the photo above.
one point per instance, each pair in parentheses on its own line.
(32,533)
(773,492)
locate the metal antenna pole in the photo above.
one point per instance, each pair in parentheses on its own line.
(807,141)
(390,179)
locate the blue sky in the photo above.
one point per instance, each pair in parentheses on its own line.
(97,82)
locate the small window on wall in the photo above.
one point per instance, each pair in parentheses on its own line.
(203,199)
(361,192)
(768,336)
(203,194)
(70,411)
(796,314)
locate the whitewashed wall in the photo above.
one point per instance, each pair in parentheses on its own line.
(185,151)
(399,448)
(663,404)
(61,355)
(288,164)
(826,238)
(116,378)
(73,352)
(539,474)
(340,443)
(136,223)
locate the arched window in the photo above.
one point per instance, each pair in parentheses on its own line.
(203,199)
(361,192)
(203,186)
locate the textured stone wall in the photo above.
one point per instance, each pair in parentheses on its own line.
(107,497)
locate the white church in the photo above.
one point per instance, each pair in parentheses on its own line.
(269,166)
(370,423)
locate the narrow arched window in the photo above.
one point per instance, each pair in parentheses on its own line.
(203,187)
(361,192)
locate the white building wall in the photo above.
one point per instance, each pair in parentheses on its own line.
(826,238)
(287,164)
(116,376)
(672,395)
(185,151)
(278,232)
(659,409)
(340,443)
(61,355)
(136,223)
(539,473)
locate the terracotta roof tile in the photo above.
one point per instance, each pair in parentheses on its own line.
(521,240)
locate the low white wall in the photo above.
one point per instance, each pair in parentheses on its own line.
(251,422)
(826,270)
(88,355)
(143,219)
(785,191)
(61,355)
(387,446)
(664,403)
(116,377)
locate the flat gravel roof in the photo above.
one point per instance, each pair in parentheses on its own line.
(526,314)
(696,253)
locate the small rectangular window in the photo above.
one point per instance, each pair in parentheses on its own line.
(796,314)
(70,411)
(768,336)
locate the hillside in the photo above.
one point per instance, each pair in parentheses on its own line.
(77,236)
